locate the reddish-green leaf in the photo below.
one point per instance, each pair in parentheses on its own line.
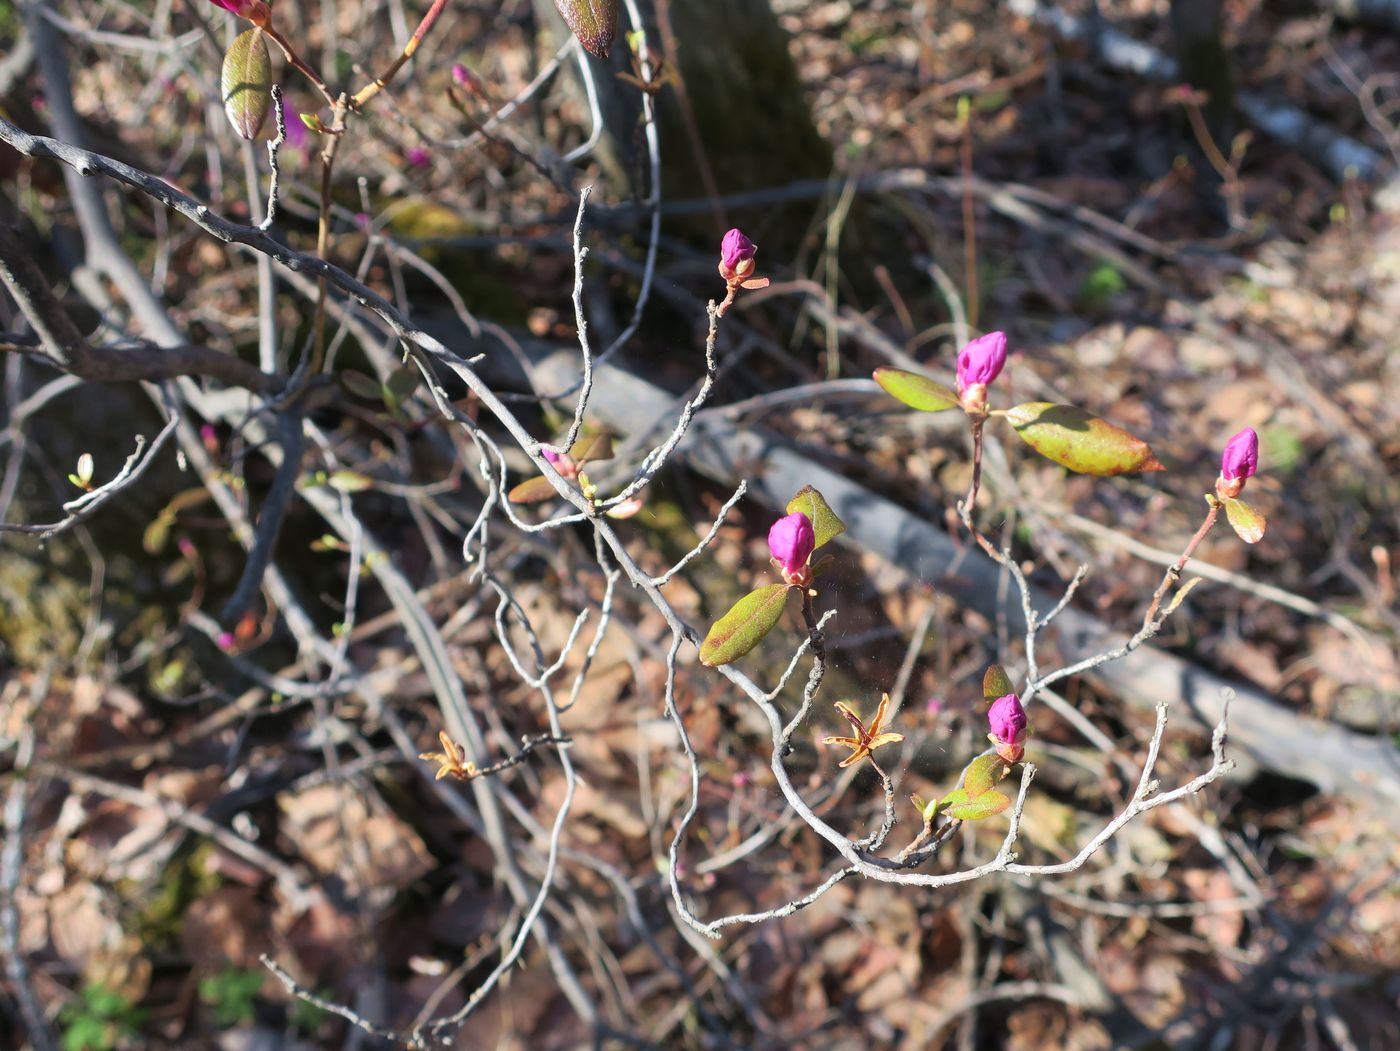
(958,804)
(996,683)
(593,447)
(983,774)
(1246,520)
(826,524)
(743,627)
(532,491)
(594,22)
(246,85)
(916,391)
(1080,440)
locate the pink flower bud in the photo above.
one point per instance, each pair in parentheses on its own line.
(981,361)
(736,256)
(736,249)
(465,78)
(1238,463)
(1241,457)
(255,11)
(1007,720)
(565,464)
(291,119)
(417,157)
(186,546)
(226,642)
(791,541)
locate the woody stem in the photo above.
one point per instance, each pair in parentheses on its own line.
(1174,571)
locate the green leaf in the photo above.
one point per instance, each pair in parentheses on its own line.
(532,491)
(1248,522)
(958,804)
(826,525)
(916,391)
(360,385)
(743,627)
(246,85)
(594,22)
(157,534)
(593,447)
(349,481)
(402,382)
(996,683)
(983,774)
(1080,440)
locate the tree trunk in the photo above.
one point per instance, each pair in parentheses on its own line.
(1205,63)
(735,118)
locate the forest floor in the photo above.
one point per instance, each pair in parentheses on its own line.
(1133,279)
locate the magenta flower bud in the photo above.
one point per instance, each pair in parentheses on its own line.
(227,642)
(736,249)
(981,361)
(1241,458)
(296,127)
(417,157)
(791,540)
(552,456)
(736,254)
(255,11)
(465,78)
(1007,720)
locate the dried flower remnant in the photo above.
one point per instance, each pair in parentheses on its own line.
(866,739)
(791,541)
(452,760)
(1007,721)
(979,363)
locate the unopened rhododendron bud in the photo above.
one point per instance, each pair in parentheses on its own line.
(736,266)
(1007,721)
(562,462)
(296,127)
(979,363)
(791,540)
(255,11)
(1238,463)
(736,254)
(465,78)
